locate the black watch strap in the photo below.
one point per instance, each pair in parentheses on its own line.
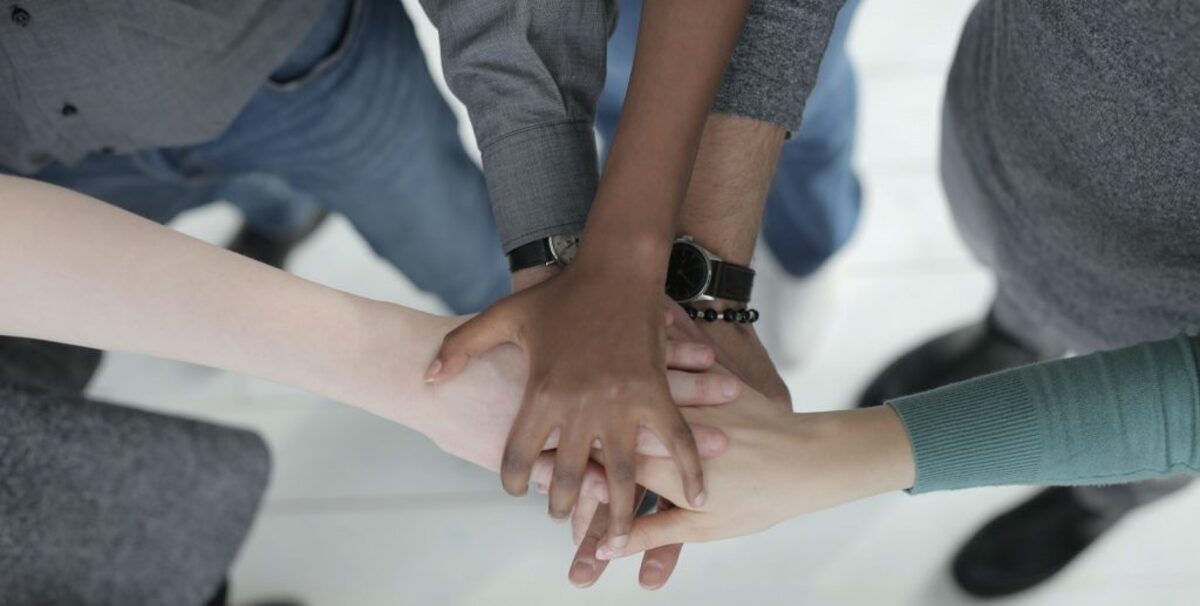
(731,282)
(530,254)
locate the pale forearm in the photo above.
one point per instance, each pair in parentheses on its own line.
(75,270)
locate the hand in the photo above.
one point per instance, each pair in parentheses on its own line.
(790,463)
(740,350)
(658,563)
(596,344)
(471,416)
(742,353)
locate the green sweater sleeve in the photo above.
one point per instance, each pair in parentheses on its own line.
(1104,418)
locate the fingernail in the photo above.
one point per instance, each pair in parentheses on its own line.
(729,388)
(541,488)
(432,373)
(652,574)
(605,553)
(583,567)
(698,500)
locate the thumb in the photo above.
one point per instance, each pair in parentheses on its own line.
(656,530)
(489,329)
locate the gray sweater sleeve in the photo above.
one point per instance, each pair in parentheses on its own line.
(775,64)
(529,72)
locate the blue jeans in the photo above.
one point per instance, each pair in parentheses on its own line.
(351,121)
(815,199)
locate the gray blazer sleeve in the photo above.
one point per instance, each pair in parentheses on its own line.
(774,66)
(529,72)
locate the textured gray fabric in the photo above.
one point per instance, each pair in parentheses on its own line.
(106,505)
(171,73)
(1069,147)
(775,64)
(529,72)
(137,74)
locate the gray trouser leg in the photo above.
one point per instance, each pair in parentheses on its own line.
(102,504)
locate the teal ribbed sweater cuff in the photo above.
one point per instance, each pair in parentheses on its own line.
(1108,417)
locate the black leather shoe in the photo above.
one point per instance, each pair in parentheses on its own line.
(968,352)
(271,250)
(1029,544)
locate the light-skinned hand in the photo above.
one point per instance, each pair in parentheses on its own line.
(778,465)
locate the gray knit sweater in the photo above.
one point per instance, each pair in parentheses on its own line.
(1077,124)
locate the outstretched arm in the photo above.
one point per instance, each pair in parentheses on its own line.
(1109,417)
(76,270)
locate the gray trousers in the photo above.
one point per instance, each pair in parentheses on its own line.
(103,504)
(975,214)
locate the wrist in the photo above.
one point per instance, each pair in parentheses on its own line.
(874,447)
(528,278)
(380,369)
(632,255)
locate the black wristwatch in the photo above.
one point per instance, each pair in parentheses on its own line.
(695,274)
(555,250)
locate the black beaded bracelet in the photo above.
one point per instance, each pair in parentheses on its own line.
(740,316)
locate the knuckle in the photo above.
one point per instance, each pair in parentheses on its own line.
(622,471)
(567,479)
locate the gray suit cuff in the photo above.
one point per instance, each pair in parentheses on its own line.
(542,180)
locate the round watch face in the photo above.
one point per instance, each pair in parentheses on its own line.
(687,273)
(564,248)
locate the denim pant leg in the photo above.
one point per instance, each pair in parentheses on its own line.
(270,205)
(143,183)
(368,134)
(814,201)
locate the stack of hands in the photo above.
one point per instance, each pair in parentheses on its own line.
(653,404)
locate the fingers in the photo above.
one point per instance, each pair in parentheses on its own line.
(710,441)
(659,563)
(569,466)
(477,335)
(585,568)
(585,512)
(619,464)
(702,389)
(677,436)
(524,445)
(652,531)
(689,355)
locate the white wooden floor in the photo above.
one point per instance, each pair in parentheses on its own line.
(363,513)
